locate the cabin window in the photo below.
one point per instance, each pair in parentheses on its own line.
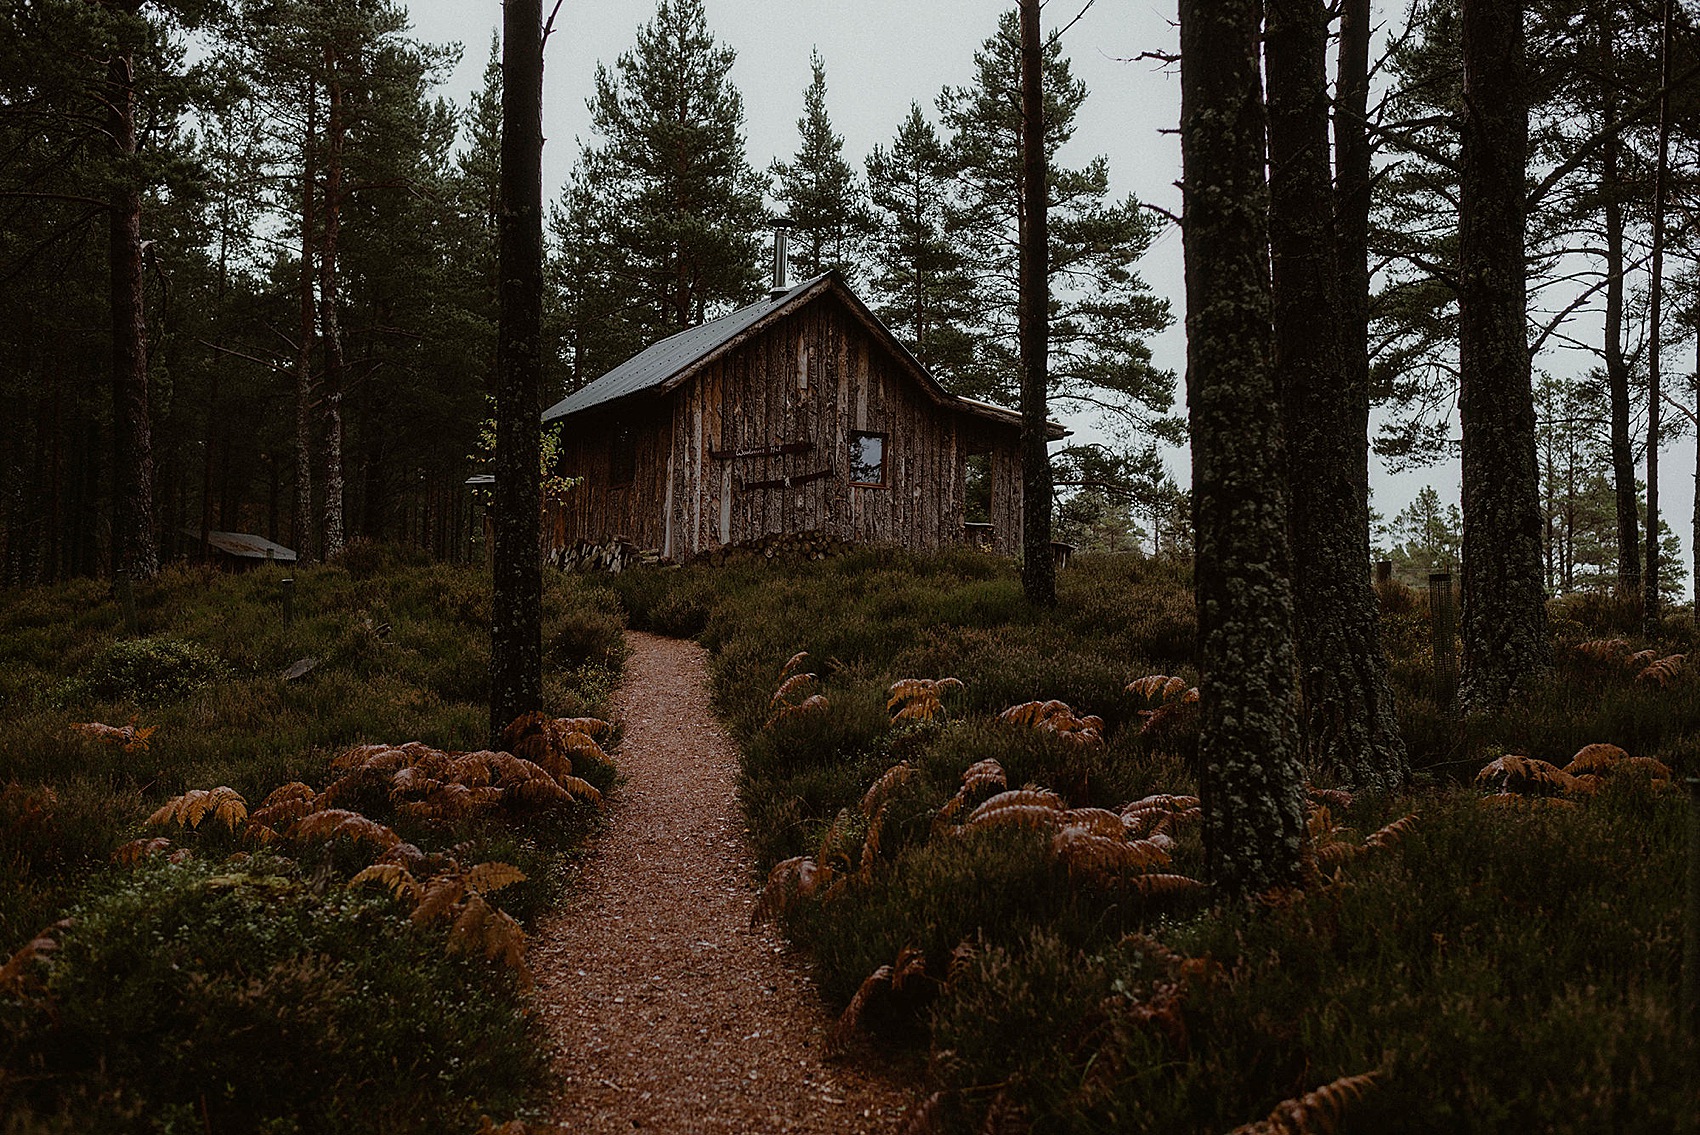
(622,458)
(867,459)
(977,488)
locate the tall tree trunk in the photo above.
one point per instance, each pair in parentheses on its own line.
(1351,222)
(1038,570)
(1617,364)
(330,325)
(516,648)
(304,542)
(1651,616)
(1504,623)
(1349,723)
(133,546)
(1250,779)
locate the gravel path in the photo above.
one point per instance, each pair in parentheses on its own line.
(667,1011)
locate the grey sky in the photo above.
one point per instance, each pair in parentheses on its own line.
(880,56)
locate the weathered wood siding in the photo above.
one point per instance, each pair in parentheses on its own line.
(711,471)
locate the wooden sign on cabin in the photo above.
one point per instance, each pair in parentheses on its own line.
(797,416)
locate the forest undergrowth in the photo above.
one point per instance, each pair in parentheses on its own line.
(980,819)
(258,878)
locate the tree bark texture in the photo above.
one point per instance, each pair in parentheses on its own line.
(304,542)
(1250,776)
(1651,616)
(516,649)
(134,548)
(1349,725)
(1617,363)
(1351,216)
(330,324)
(1038,571)
(1504,618)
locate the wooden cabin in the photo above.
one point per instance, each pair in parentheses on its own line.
(800,416)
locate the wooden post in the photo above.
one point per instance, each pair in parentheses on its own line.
(1443,623)
(288,586)
(1691,928)
(1383,572)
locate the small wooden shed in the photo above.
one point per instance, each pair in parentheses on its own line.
(797,416)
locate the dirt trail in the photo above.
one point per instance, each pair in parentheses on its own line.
(667,1011)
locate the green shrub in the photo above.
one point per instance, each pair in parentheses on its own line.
(144,671)
(242,998)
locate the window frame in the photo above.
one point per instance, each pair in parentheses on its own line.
(885,448)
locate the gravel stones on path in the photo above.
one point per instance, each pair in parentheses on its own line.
(667,1011)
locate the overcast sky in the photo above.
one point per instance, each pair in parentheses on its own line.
(880,56)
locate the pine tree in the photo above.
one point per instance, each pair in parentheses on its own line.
(920,279)
(1250,779)
(823,199)
(1504,627)
(667,186)
(1349,717)
(1100,310)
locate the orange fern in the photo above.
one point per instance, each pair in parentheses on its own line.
(1176,701)
(1603,649)
(1596,758)
(889,782)
(1316,1112)
(188,810)
(129,736)
(1391,834)
(340,823)
(919,698)
(1660,672)
(789,883)
(911,964)
(1056,717)
(1022,807)
(1524,775)
(132,853)
(17,967)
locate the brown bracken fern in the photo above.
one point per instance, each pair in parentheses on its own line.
(919,699)
(1316,1112)
(1056,717)
(1176,701)
(188,810)
(910,966)
(129,736)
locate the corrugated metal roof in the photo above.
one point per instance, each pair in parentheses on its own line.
(655,367)
(651,367)
(246,545)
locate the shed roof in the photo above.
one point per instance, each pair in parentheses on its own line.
(664,365)
(246,545)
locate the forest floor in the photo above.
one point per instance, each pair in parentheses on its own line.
(668,1011)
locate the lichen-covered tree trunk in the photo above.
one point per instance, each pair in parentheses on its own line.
(304,542)
(516,647)
(1250,776)
(1348,721)
(1504,620)
(330,322)
(1038,571)
(133,546)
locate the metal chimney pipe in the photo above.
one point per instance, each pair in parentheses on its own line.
(780,258)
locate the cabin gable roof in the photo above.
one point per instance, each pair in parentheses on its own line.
(664,365)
